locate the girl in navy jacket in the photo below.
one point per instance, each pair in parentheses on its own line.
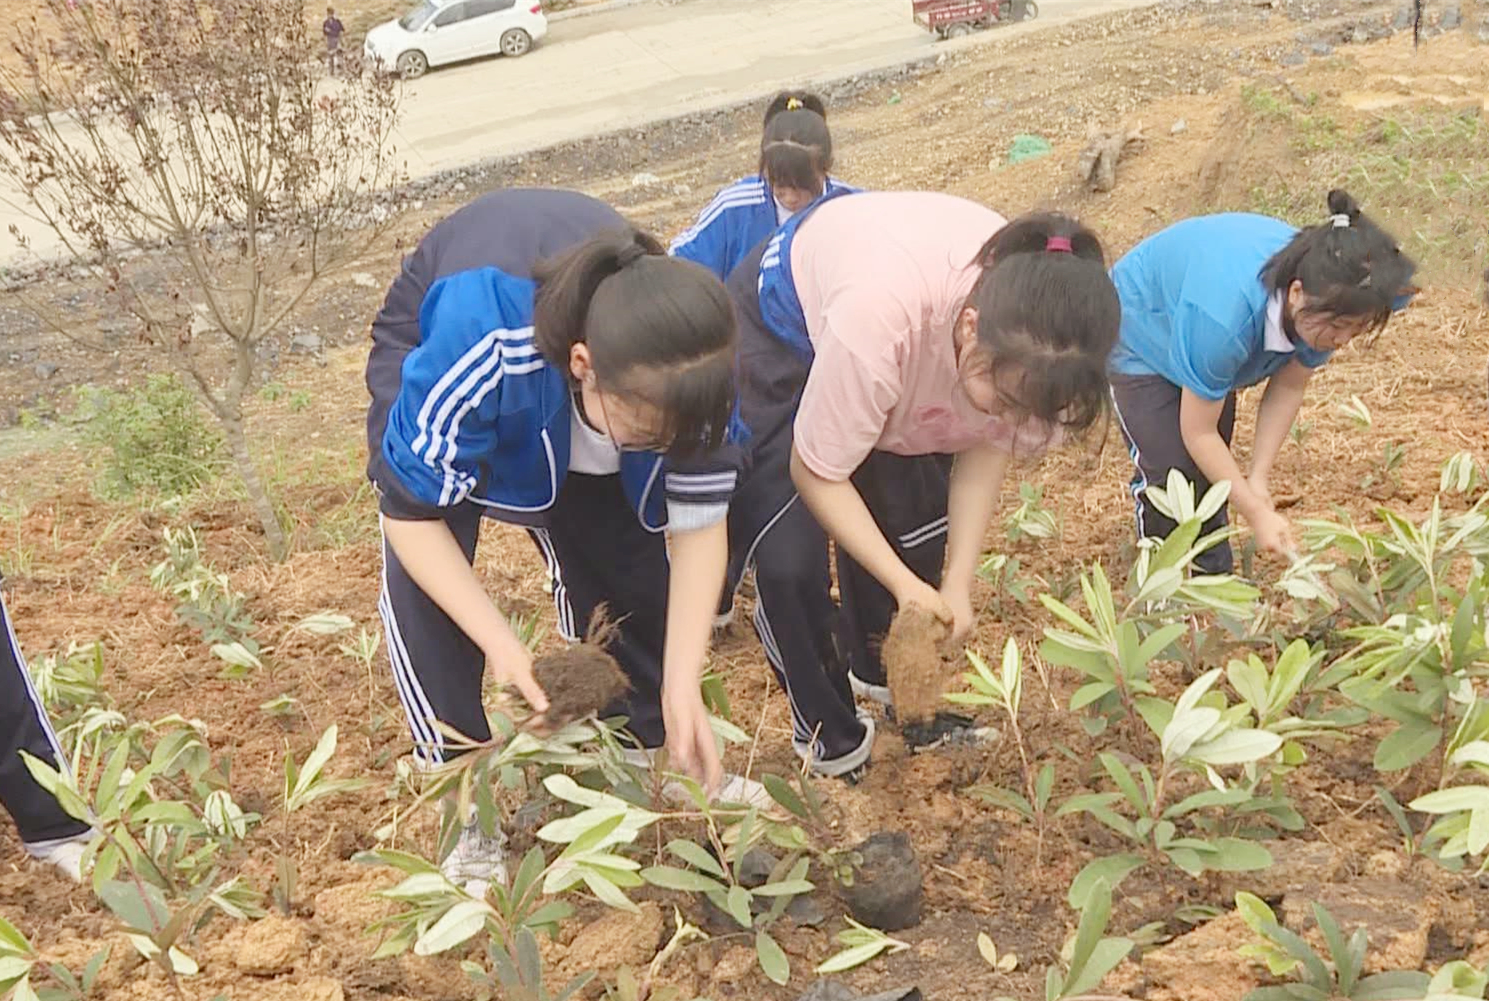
(1218,303)
(795,157)
(561,393)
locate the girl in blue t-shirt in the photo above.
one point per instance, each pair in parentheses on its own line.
(1218,303)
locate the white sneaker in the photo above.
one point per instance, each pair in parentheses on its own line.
(847,765)
(735,789)
(477,860)
(874,693)
(64,853)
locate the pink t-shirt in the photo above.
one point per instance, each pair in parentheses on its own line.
(882,277)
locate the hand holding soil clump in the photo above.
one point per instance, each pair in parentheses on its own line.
(582,680)
(913,659)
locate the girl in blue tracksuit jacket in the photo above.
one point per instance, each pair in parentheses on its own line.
(1218,303)
(795,157)
(563,394)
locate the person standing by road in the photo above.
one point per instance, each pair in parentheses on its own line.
(333,29)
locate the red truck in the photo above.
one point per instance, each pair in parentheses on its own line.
(955,18)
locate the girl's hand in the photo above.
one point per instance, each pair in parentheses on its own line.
(963,618)
(921,594)
(690,743)
(1274,533)
(513,665)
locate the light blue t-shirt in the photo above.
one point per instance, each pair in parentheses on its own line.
(1194,309)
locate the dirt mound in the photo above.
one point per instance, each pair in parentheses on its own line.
(912,657)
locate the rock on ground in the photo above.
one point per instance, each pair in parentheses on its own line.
(272,945)
(1202,965)
(1395,915)
(615,940)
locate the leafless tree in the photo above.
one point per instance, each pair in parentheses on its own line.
(206,131)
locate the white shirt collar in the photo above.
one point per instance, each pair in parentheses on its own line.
(1274,337)
(782,212)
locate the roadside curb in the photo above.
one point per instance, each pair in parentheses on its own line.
(603,7)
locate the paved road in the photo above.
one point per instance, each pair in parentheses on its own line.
(650,61)
(640,63)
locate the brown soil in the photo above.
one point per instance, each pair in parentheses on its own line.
(918,674)
(1256,137)
(582,680)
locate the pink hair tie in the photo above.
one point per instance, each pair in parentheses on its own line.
(1059,245)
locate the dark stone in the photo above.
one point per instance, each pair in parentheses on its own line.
(755,868)
(1321,49)
(45,369)
(1452,18)
(903,994)
(806,912)
(1403,19)
(1293,59)
(306,344)
(888,887)
(828,990)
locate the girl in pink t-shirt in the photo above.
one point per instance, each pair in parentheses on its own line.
(897,350)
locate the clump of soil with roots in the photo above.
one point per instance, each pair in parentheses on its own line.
(918,674)
(583,680)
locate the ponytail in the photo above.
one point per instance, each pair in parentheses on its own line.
(1047,308)
(1348,266)
(794,100)
(659,329)
(796,146)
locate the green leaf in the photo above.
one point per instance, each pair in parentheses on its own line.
(1186,728)
(1089,693)
(1452,800)
(773,959)
(455,926)
(326,623)
(608,892)
(780,790)
(141,906)
(1111,870)
(737,903)
(1405,746)
(1123,778)
(1338,949)
(1397,984)
(1006,799)
(669,878)
(12,941)
(60,786)
(1254,911)
(1238,855)
(1207,799)
(1094,916)
(594,837)
(1103,960)
(852,957)
(1236,747)
(13,968)
(552,913)
(784,888)
(23,991)
(695,856)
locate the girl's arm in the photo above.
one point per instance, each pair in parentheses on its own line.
(976,482)
(1279,408)
(698,560)
(1199,426)
(433,558)
(840,510)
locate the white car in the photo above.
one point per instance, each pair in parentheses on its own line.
(448,31)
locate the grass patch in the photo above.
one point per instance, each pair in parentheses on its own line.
(1422,172)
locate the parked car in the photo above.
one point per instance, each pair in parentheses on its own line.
(448,31)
